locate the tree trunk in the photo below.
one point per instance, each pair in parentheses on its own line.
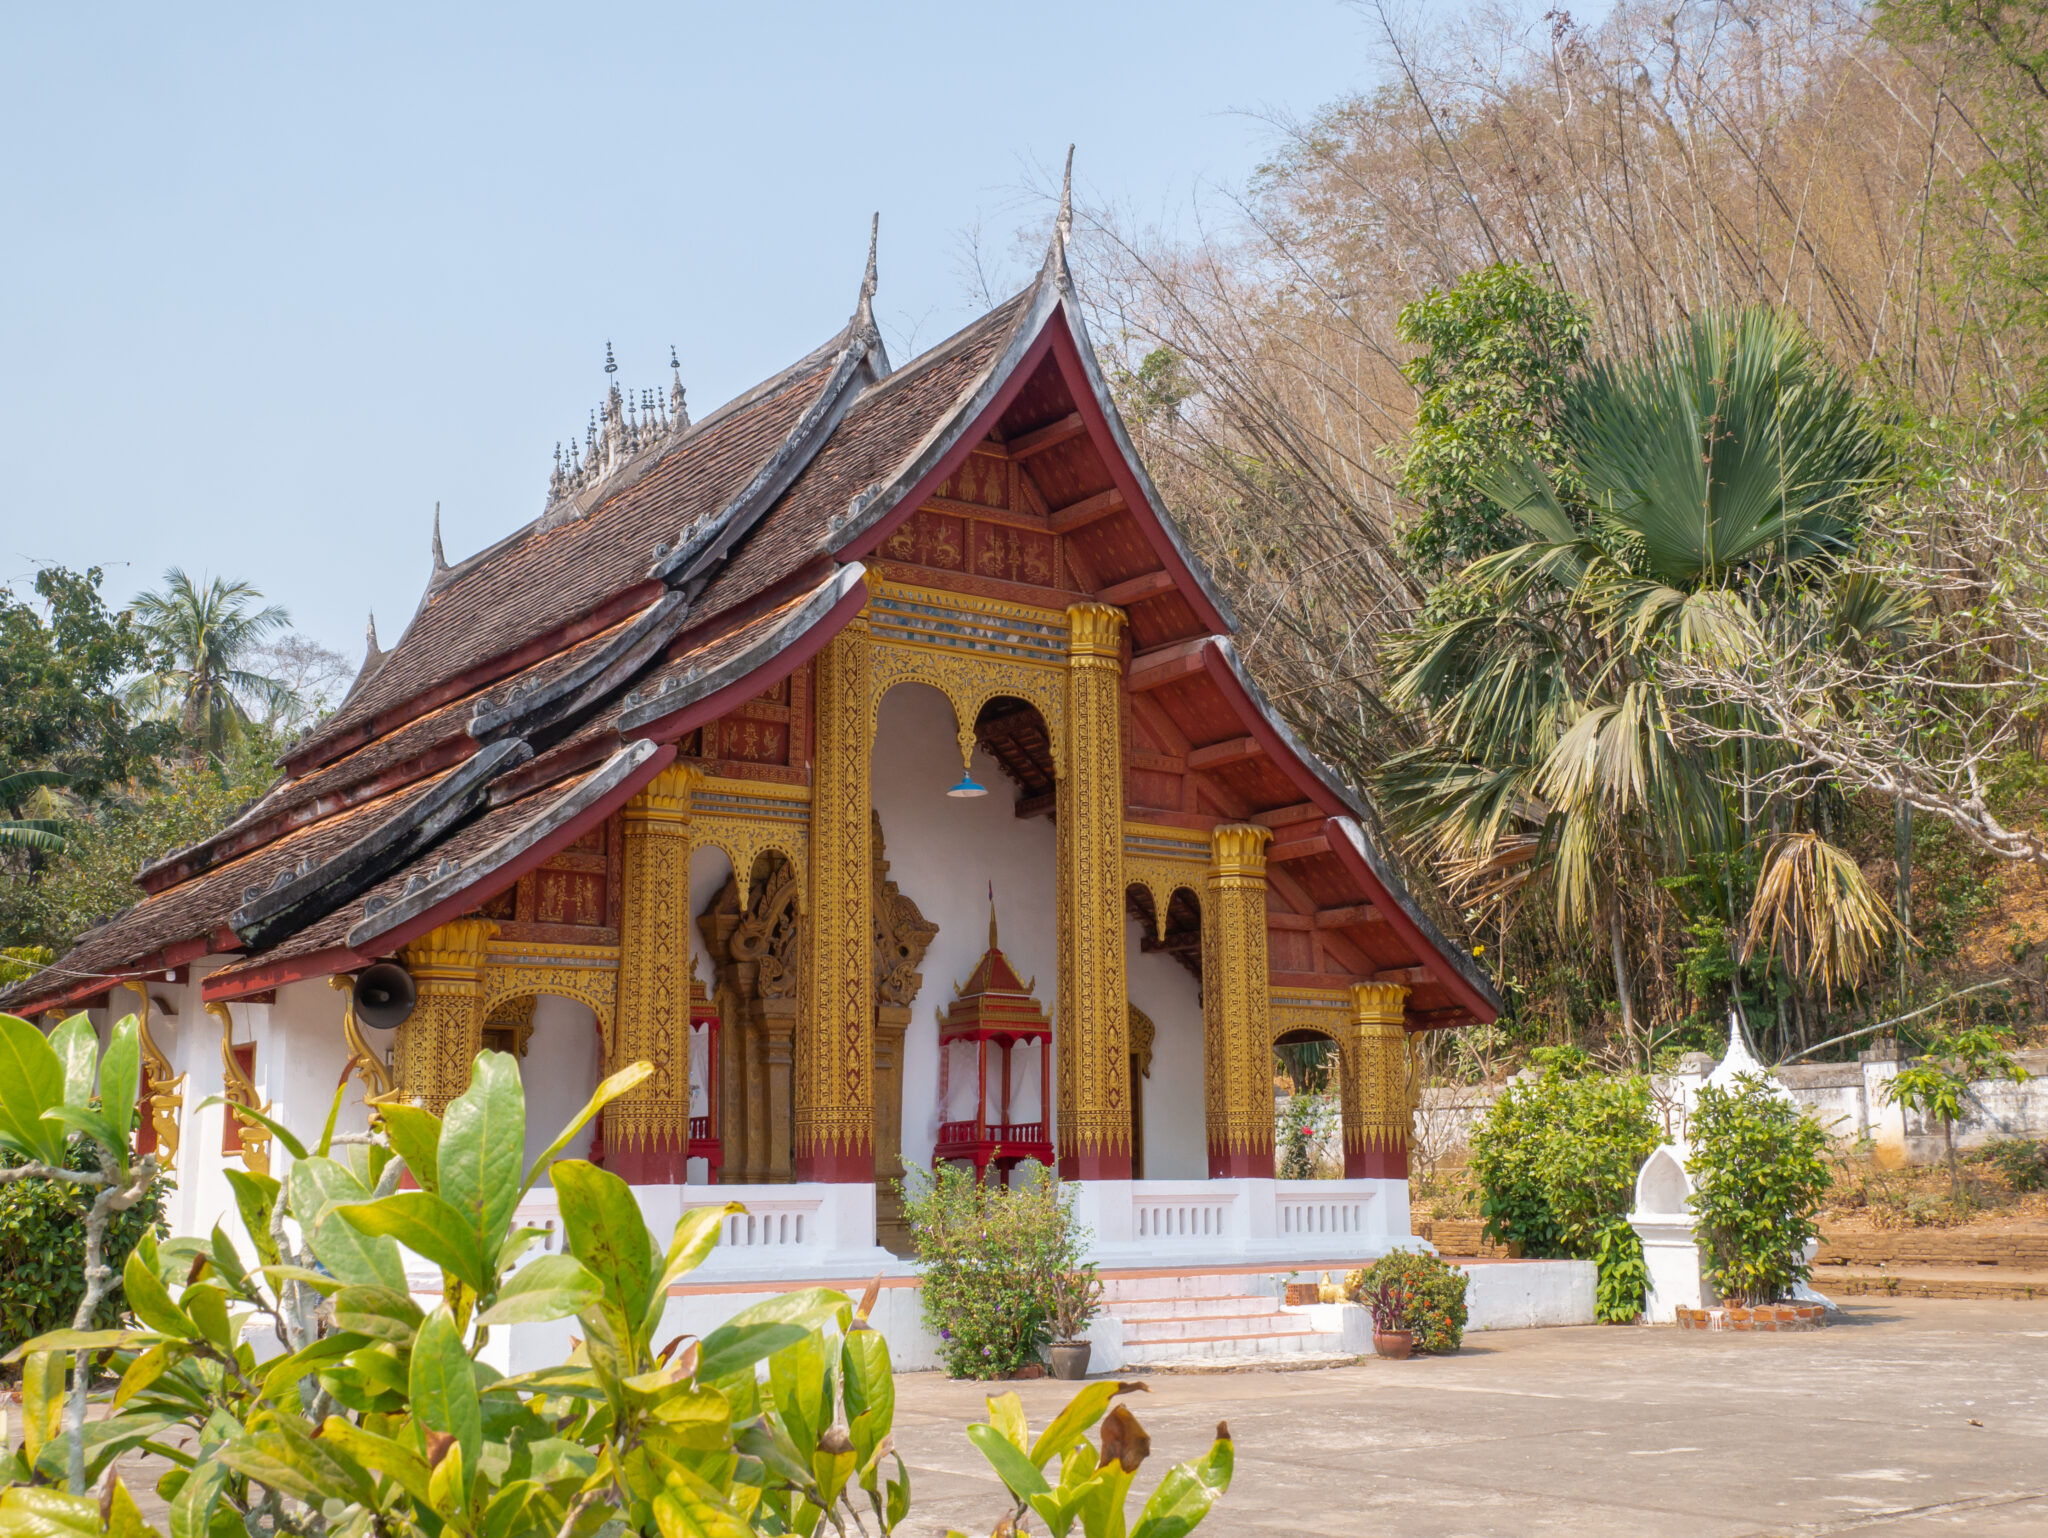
(1621,988)
(1955,1173)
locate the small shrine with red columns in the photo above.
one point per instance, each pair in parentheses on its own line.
(993,1009)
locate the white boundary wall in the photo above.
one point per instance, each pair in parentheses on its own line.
(1846,1098)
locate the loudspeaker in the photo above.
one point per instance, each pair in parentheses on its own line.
(384,996)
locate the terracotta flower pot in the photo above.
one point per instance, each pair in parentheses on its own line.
(1394,1345)
(1069,1359)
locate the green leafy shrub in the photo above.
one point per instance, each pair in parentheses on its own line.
(378,1420)
(1938,1084)
(1759,1173)
(42,1248)
(990,1255)
(1436,1295)
(1556,1160)
(2021,1162)
(1305,1123)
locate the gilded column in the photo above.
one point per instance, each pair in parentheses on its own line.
(1093,1023)
(647,1130)
(835,1106)
(445,1031)
(1375,1067)
(1237,1040)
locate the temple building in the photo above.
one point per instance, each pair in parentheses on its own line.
(717,762)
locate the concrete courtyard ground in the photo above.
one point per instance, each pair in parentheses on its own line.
(1906,1418)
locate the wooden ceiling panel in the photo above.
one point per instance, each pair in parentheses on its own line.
(1198,709)
(1116,549)
(1260,783)
(1070,470)
(1043,400)
(1161,618)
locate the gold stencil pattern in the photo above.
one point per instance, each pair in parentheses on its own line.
(751,818)
(835,1112)
(972,650)
(654,968)
(589,974)
(1237,1038)
(1094,1012)
(443,1034)
(1376,1064)
(1164,861)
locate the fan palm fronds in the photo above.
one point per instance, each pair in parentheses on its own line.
(1817,913)
(43,834)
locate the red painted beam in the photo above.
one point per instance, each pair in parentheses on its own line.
(1150,669)
(1039,439)
(1218,755)
(1151,584)
(1297,849)
(1078,515)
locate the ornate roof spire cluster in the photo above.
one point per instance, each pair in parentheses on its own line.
(623,427)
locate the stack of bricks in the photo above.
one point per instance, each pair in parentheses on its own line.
(1463,1236)
(1774,1317)
(1934,1264)
(2020,1250)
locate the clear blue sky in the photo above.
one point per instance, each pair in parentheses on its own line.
(277,279)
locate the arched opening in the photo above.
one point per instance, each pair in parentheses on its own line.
(944,854)
(1163,972)
(558,1044)
(1308,1139)
(753,941)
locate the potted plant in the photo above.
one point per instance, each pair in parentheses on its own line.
(1391,1335)
(1076,1300)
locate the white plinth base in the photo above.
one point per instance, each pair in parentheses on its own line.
(816,1231)
(1207,1222)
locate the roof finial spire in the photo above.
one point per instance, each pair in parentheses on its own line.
(992,916)
(370,636)
(678,401)
(864,312)
(611,364)
(1065,222)
(440,560)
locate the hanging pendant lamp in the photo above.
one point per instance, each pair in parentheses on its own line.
(968,786)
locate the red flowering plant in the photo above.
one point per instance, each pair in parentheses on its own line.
(1434,1292)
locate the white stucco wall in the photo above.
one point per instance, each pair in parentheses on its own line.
(563,1064)
(943,853)
(1176,1145)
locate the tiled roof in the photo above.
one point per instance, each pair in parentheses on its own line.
(543,578)
(201,905)
(542,680)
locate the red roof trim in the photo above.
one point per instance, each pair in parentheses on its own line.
(339,958)
(1445,976)
(866,544)
(1128,481)
(672,728)
(320,753)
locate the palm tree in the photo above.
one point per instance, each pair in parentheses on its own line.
(45,835)
(1724,474)
(205,635)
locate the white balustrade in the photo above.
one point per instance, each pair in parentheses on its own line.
(1191,1221)
(1308,1213)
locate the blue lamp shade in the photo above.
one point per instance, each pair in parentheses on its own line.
(968,786)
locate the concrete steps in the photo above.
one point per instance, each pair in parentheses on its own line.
(1189,1320)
